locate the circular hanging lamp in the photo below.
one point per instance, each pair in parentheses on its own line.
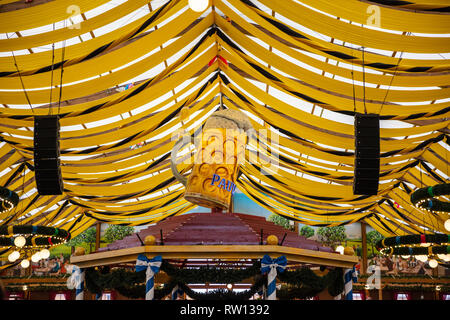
(426,198)
(8,200)
(422,246)
(31,242)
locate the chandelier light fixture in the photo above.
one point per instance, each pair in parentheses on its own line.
(8,200)
(427,198)
(431,247)
(29,242)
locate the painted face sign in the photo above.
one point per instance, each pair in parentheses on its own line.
(223,183)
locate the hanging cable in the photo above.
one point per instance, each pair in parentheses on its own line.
(364,82)
(392,78)
(51,78)
(62,71)
(20,77)
(354,94)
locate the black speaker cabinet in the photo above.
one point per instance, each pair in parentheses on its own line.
(367,154)
(47,171)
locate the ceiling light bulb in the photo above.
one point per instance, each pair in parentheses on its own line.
(25,263)
(45,254)
(13,256)
(447,225)
(36,257)
(442,256)
(16,255)
(433,263)
(20,241)
(198,5)
(422,258)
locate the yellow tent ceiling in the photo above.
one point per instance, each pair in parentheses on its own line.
(299,69)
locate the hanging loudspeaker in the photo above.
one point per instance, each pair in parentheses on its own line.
(47,171)
(367,154)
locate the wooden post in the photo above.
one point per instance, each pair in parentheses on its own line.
(97,236)
(380,293)
(363,268)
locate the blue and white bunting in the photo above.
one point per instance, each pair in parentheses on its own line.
(350,276)
(76,281)
(271,267)
(152,267)
(176,292)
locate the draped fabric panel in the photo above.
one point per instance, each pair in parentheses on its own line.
(299,69)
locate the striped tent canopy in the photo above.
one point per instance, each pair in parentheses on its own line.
(118,73)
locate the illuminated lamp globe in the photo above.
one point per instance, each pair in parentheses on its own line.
(442,256)
(405,257)
(13,256)
(150,240)
(447,225)
(272,240)
(340,249)
(198,5)
(25,263)
(422,258)
(20,241)
(44,253)
(36,257)
(433,263)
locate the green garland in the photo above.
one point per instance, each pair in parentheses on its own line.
(304,283)
(224,294)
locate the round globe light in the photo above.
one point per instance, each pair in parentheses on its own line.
(198,5)
(433,263)
(25,263)
(422,258)
(45,253)
(36,257)
(340,249)
(13,256)
(447,225)
(442,256)
(20,241)
(405,257)
(16,255)
(446,257)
